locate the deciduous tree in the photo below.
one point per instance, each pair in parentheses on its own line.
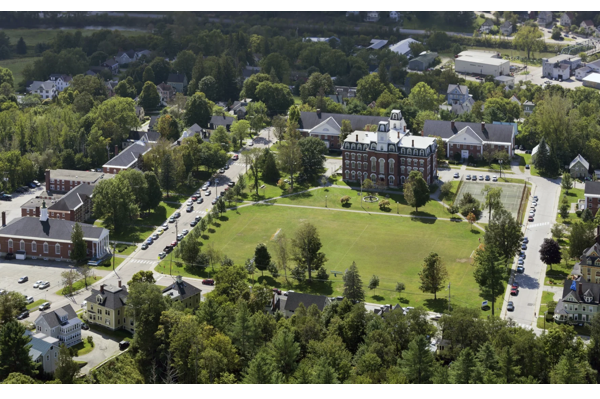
(416,191)
(307,245)
(489,274)
(434,275)
(550,252)
(503,232)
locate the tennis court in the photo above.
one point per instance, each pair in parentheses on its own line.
(511,195)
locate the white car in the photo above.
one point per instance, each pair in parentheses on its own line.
(190,203)
(44,285)
(165,226)
(37,284)
(29,299)
(495,178)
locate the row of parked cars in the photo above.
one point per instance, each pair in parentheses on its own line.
(474,177)
(23,189)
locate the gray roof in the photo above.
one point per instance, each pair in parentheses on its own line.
(425,58)
(40,344)
(129,155)
(78,175)
(33,203)
(577,159)
(506,24)
(52,229)
(74,198)
(487,22)
(491,132)
(528,103)
(592,187)
(462,88)
(581,288)
(111,62)
(217,120)
(112,298)
(309,120)
(181,291)
(153,121)
(150,136)
(47,85)
(376,44)
(130,53)
(176,78)
(53,317)
(64,77)
(295,298)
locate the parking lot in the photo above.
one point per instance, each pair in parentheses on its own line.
(13,208)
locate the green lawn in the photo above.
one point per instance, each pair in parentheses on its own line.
(449,199)
(35,36)
(16,65)
(34,306)
(547,296)
(158,216)
(390,247)
(558,273)
(108,264)
(574,195)
(83,348)
(525,159)
(317,198)
(271,190)
(78,285)
(297,100)
(117,334)
(130,233)
(124,249)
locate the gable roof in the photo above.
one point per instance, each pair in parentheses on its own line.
(425,58)
(570,15)
(40,344)
(181,290)
(112,298)
(308,120)
(47,85)
(52,229)
(545,14)
(588,22)
(129,155)
(461,88)
(64,77)
(580,159)
(218,120)
(376,44)
(151,136)
(592,188)
(165,87)
(581,286)
(111,62)
(487,132)
(176,78)
(506,24)
(294,299)
(74,198)
(53,317)
(130,53)
(328,124)
(403,46)
(487,22)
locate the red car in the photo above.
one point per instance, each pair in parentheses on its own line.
(277,291)
(515,286)
(235,157)
(208,281)
(514,291)
(194,197)
(174,244)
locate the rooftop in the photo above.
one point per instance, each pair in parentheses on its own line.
(180,290)
(74,198)
(403,46)
(129,155)
(592,77)
(487,132)
(112,297)
(483,60)
(308,120)
(592,188)
(53,317)
(52,229)
(76,175)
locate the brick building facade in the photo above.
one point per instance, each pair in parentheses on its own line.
(64,180)
(388,155)
(592,196)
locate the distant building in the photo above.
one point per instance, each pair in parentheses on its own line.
(184,292)
(106,307)
(288,304)
(528,107)
(560,67)
(46,90)
(62,324)
(166,92)
(579,302)
(592,196)
(507,80)
(535,151)
(422,62)
(579,167)
(567,19)
(64,180)
(506,28)
(545,18)
(581,73)
(588,26)
(129,158)
(178,81)
(44,350)
(403,47)
(377,44)
(216,121)
(372,16)
(62,81)
(486,26)
(482,65)
(125,57)
(592,80)
(394,16)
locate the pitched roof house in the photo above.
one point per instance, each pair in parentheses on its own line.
(129,158)
(403,47)
(545,18)
(579,303)
(184,292)
(178,81)
(567,19)
(579,167)
(62,324)
(506,28)
(288,304)
(44,350)
(125,57)
(106,307)
(486,26)
(217,120)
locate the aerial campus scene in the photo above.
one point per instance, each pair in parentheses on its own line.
(299,197)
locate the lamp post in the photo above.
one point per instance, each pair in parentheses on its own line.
(325,201)
(545,320)
(500,162)
(398,207)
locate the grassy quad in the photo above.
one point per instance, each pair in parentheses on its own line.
(317,198)
(392,248)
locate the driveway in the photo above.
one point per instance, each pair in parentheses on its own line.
(333,165)
(13,208)
(104,347)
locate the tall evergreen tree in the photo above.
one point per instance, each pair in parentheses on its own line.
(79,247)
(462,368)
(14,350)
(167,173)
(284,352)
(243,332)
(21,46)
(417,361)
(262,258)
(353,286)
(270,173)
(260,369)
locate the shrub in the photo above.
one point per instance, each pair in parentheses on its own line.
(281,184)
(384,204)
(90,340)
(446,188)
(322,274)
(578,212)
(345,199)
(551,306)
(453,209)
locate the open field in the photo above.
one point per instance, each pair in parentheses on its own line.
(16,65)
(35,36)
(383,245)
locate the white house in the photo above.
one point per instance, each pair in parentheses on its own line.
(125,57)
(47,89)
(582,72)
(62,324)
(567,19)
(372,16)
(588,25)
(62,81)
(394,16)
(44,350)
(403,46)
(142,53)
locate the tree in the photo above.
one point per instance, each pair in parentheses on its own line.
(416,191)
(11,304)
(277,97)
(208,86)
(529,38)
(434,275)
(315,84)
(270,173)
(489,274)
(260,369)
(550,252)
(313,152)
(126,88)
(69,278)
(14,350)
(221,137)
(168,127)
(167,173)
(374,282)
(257,115)
(353,286)
(21,46)
(417,361)
(424,97)
(284,352)
(580,238)
(492,198)
(262,258)
(471,218)
(154,193)
(143,276)
(400,287)
(251,159)
(148,75)
(567,182)
(79,247)
(290,155)
(184,63)
(149,97)
(587,215)
(198,109)
(504,233)
(369,88)
(239,131)
(282,253)
(564,208)
(557,231)
(570,370)
(307,254)
(161,69)
(66,368)
(279,125)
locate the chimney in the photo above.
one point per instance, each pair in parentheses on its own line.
(3,218)
(44,212)
(102,288)
(319,113)
(452,125)
(119,283)
(398,134)
(405,128)
(116,150)
(357,138)
(413,143)
(482,126)
(580,289)
(179,279)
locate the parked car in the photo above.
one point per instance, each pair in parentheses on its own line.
(194,197)
(523,247)
(494,178)
(510,306)
(200,200)
(160,231)
(149,241)
(521,262)
(206,194)
(168,249)
(193,223)
(38,283)
(189,202)
(37,183)
(514,292)
(23,315)
(208,281)
(165,226)
(456,175)
(144,246)
(530,218)
(44,306)
(515,285)
(31,185)
(468,177)
(155,236)
(44,285)
(123,345)
(171,219)
(189,209)
(214,201)
(176,215)
(29,300)
(277,291)
(84,326)
(235,157)
(520,269)
(198,218)
(185,232)
(221,170)
(231,184)
(179,237)
(174,244)
(23,279)
(480,177)
(487,177)
(162,255)
(527,166)
(226,167)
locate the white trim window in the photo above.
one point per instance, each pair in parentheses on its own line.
(381,165)
(347,164)
(353,175)
(365,164)
(373,177)
(57,249)
(46,248)
(10,244)
(353,156)
(373,164)
(347,174)
(347,156)
(391,179)
(22,245)
(353,164)
(33,246)
(392,164)
(359,165)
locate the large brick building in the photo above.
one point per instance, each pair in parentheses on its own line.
(64,180)
(388,155)
(592,196)
(76,205)
(471,139)
(129,158)
(49,238)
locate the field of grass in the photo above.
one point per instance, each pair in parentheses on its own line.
(440,24)
(547,296)
(78,285)
(158,216)
(16,65)
(392,248)
(397,202)
(558,273)
(271,190)
(34,306)
(124,249)
(108,264)
(35,36)
(297,100)
(83,348)
(130,233)
(525,159)
(574,195)
(449,199)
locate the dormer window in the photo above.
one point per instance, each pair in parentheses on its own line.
(588,299)
(98,298)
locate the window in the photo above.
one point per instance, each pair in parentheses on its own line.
(373,164)
(408,152)
(402,160)
(118,312)
(381,165)
(22,245)
(57,249)
(347,174)
(422,162)
(353,175)
(401,169)
(347,156)
(359,165)
(45,247)
(358,156)
(33,246)
(353,165)
(391,167)
(409,162)
(353,156)
(391,178)
(10,244)
(373,177)
(347,163)
(365,164)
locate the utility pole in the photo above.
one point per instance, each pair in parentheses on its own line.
(114,252)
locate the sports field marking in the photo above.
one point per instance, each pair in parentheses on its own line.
(274,236)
